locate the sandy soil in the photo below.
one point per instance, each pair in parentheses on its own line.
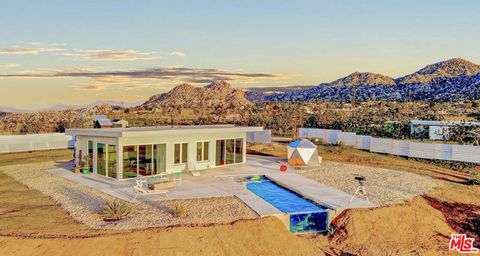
(261,237)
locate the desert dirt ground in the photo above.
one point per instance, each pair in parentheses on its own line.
(33,224)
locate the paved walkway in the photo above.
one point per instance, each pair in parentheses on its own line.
(220,182)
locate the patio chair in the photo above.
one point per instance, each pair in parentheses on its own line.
(177,178)
(140,188)
(191,168)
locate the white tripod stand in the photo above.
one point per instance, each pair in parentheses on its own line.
(360,189)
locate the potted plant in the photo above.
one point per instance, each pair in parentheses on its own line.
(84,165)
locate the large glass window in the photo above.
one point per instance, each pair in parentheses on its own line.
(112,161)
(145,160)
(180,153)
(129,161)
(220,152)
(202,151)
(159,152)
(101,159)
(229,151)
(238,150)
(90,156)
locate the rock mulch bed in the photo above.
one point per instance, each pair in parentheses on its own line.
(84,203)
(384,186)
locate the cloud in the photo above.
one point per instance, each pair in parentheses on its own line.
(9,65)
(178,54)
(112,55)
(25,51)
(90,87)
(16,51)
(183,74)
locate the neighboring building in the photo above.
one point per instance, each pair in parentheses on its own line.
(101,121)
(120,123)
(123,153)
(436,130)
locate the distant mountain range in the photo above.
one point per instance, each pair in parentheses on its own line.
(447,81)
(60,107)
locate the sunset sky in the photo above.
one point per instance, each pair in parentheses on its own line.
(66,52)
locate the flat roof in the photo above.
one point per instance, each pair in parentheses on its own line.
(160,130)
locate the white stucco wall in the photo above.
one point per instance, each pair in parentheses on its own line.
(170,141)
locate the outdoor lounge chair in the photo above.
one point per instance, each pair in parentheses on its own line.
(140,188)
(191,168)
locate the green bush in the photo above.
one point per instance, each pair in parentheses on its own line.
(116,210)
(179,210)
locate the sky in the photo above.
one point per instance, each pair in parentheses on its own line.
(78,52)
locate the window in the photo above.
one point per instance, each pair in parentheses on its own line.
(101,159)
(112,161)
(202,151)
(238,150)
(180,153)
(130,161)
(229,151)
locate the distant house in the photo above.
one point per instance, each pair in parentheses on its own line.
(436,130)
(101,121)
(120,123)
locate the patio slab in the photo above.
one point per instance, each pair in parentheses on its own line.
(220,182)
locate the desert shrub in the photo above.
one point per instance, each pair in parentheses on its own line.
(454,165)
(116,210)
(179,210)
(475,180)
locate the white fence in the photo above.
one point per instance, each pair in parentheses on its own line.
(264,136)
(32,142)
(462,153)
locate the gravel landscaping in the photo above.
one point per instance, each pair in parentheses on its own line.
(384,186)
(84,203)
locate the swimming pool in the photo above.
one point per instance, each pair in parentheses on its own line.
(281,198)
(304,215)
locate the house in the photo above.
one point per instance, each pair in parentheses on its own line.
(123,153)
(436,130)
(120,123)
(101,121)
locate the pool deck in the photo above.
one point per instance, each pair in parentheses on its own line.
(220,182)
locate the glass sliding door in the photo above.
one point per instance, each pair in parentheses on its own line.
(159,158)
(220,153)
(90,156)
(238,151)
(145,167)
(130,159)
(101,159)
(112,161)
(229,151)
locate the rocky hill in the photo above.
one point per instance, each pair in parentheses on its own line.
(446,81)
(365,78)
(445,69)
(188,96)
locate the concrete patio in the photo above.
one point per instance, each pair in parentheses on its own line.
(220,182)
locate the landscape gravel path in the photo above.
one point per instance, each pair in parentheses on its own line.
(84,203)
(383,186)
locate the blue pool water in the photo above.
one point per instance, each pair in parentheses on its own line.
(281,198)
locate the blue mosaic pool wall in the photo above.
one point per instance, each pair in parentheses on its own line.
(308,222)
